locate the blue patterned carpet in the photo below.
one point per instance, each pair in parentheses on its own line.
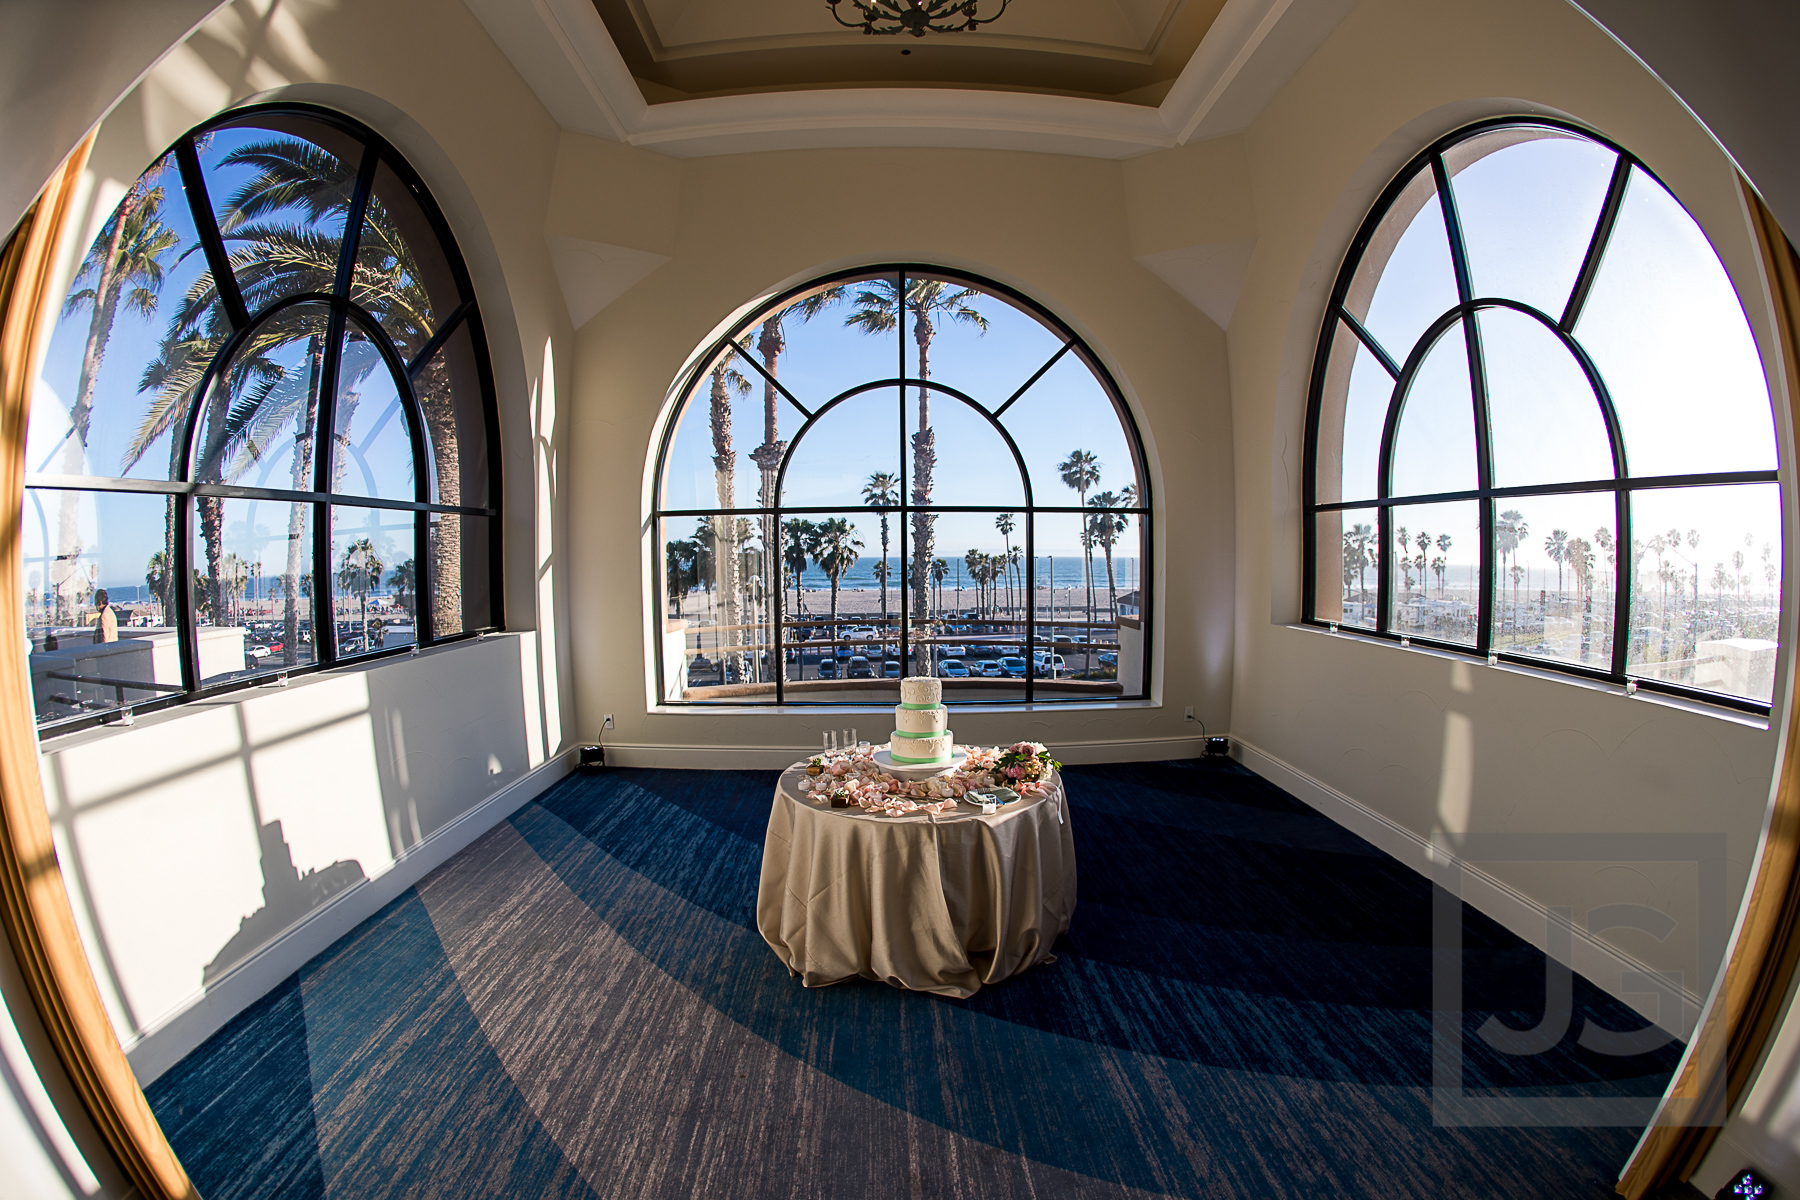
(579,1005)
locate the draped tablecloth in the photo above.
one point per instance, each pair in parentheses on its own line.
(935,903)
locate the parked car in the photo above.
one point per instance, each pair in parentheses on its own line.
(1109,658)
(827,669)
(859,668)
(1012,668)
(952,651)
(891,668)
(987,668)
(955,668)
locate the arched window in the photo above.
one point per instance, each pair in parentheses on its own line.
(901,471)
(260,439)
(1539,427)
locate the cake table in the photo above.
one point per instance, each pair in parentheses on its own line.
(934,903)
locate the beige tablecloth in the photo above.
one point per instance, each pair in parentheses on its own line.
(933,903)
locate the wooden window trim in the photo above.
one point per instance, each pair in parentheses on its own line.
(34,904)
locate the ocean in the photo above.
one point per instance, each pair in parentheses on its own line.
(861,577)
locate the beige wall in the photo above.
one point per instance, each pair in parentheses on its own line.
(1435,744)
(737,228)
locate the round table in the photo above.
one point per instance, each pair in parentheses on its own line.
(934,903)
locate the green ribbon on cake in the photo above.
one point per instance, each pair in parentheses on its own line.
(917,762)
(904,734)
(919,707)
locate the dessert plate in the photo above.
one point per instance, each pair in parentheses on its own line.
(885,760)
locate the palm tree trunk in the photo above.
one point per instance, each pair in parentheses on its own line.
(444,543)
(1112,584)
(297,513)
(924,444)
(725,527)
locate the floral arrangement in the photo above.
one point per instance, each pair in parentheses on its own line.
(1026,765)
(850,777)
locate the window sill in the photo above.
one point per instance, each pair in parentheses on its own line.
(814,710)
(239,693)
(1748,720)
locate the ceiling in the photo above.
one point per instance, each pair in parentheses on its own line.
(1123,50)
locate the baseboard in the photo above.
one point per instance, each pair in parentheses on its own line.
(1600,962)
(177,1035)
(774,758)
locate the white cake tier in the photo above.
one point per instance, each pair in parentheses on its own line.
(934,749)
(921,689)
(921,720)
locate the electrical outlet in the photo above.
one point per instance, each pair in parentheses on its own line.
(607,723)
(1189,714)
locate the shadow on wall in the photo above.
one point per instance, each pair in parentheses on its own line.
(287,896)
(201,834)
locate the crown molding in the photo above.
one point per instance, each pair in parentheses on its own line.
(564,52)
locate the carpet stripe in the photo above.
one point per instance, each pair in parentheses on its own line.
(653,1093)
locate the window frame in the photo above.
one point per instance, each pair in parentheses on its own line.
(1337,316)
(344,314)
(687,393)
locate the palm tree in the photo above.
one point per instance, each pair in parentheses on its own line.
(1360,536)
(403,579)
(882,491)
(358,571)
(705,548)
(1107,527)
(1423,542)
(802,537)
(124,267)
(727,379)
(1006,523)
(1081,471)
(837,550)
(1555,546)
(939,570)
(1443,545)
(678,573)
(1510,532)
(158,579)
(771,340)
(879,308)
(974,560)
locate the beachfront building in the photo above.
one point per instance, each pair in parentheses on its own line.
(425,390)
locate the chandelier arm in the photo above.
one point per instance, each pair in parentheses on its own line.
(928,16)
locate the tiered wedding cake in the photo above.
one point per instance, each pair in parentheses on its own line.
(920,739)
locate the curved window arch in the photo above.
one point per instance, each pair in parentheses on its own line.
(894,471)
(1539,428)
(262,425)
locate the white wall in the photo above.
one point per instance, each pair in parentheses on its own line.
(1435,744)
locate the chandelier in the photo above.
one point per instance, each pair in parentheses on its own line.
(916,17)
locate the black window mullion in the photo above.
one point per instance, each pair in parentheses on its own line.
(1031,599)
(778,609)
(1622,585)
(1596,251)
(1484,464)
(1035,376)
(218,262)
(1384,588)
(1370,344)
(181,594)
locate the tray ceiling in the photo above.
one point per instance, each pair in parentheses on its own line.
(1127,50)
